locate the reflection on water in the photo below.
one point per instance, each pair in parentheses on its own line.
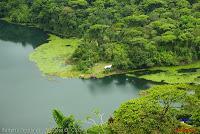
(121,81)
(27,98)
(22,34)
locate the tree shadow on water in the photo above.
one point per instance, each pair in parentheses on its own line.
(117,82)
(22,34)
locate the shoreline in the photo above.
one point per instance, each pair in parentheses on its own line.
(56,55)
(51,59)
(58,44)
(31,25)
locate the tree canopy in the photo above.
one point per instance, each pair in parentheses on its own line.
(149,32)
(160,110)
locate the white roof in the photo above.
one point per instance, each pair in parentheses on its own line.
(109,66)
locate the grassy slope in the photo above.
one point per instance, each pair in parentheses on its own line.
(171,74)
(53,58)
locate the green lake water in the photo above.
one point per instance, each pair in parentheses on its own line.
(27,98)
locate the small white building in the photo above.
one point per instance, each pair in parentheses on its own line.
(108,67)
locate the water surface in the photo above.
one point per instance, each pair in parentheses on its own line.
(27,98)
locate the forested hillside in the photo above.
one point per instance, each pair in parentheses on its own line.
(127,33)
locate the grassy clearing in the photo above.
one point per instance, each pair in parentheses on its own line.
(53,59)
(171,74)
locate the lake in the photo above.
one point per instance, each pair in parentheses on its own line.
(27,98)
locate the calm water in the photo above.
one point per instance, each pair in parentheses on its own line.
(27,98)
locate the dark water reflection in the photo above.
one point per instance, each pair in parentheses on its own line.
(120,81)
(22,34)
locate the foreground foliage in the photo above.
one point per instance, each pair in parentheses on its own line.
(159,110)
(65,125)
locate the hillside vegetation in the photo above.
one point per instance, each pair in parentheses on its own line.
(128,33)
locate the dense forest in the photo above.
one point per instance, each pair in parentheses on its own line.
(127,33)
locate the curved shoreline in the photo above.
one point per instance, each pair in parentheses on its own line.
(53,59)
